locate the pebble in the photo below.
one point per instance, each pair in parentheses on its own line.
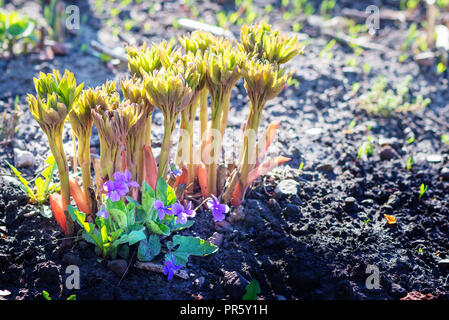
(200,281)
(325,167)
(443,264)
(223,226)
(118,266)
(286,187)
(236,214)
(216,239)
(387,153)
(445,174)
(350,204)
(234,284)
(23,158)
(314,131)
(434,158)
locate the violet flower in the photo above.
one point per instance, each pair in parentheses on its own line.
(181,213)
(218,209)
(119,187)
(170,267)
(174,170)
(125,178)
(103,213)
(161,209)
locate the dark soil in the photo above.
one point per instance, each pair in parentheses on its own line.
(315,244)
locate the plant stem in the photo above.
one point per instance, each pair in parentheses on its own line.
(148,130)
(169,125)
(203,119)
(84,159)
(56,146)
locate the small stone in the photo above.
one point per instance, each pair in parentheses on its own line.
(216,239)
(350,204)
(443,264)
(223,226)
(445,174)
(118,266)
(236,214)
(234,284)
(368,202)
(426,58)
(387,153)
(287,187)
(200,281)
(325,167)
(23,158)
(434,158)
(314,131)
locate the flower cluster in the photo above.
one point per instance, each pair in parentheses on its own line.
(176,209)
(120,186)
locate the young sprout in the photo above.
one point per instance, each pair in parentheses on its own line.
(113,121)
(199,43)
(422,190)
(263,82)
(409,163)
(171,90)
(262,42)
(81,122)
(55,96)
(139,135)
(223,71)
(145,60)
(185,144)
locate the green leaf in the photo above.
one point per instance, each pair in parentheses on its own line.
(165,193)
(72,297)
(136,236)
(157,228)
(179,226)
(149,249)
(46,295)
(190,246)
(123,251)
(252,290)
(24,182)
(44,189)
(119,217)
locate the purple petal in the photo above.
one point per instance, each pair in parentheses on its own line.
(114,196)
(119,177)
(218,216)
(158,204)
(102,213)
(133,184)
(109,186)
(128,175)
